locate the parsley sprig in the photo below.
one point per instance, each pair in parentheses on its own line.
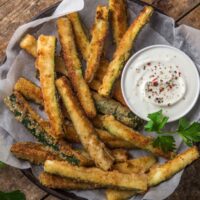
(189,132)
(15,195)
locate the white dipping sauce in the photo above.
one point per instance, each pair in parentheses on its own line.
(160,77)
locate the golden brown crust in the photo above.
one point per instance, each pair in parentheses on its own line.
(117,92)
(58,182)
(120,155)
(45,63)
(29,90)
(97,176)
(81,38)
(29,43)
(84,128)
(118,14)
(125,133)
(122,52)
(73,65)
(119,194)
(163,172)
(99,32)
(33,152)
(138,165)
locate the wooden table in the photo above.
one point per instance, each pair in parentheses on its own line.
(15,13)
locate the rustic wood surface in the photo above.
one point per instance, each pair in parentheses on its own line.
(15,13)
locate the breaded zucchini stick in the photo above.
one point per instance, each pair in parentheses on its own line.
(74,68)
(117,92)
(99,32)
(29,44)
(123,132)
(120,155)
(111,141)
(118,15)
(29,90)
(87,134)
(34,152)
(109,106)
(123,51)
(138,165)
(163,172)
(82,42)
(32,92)
(81,37)
(58,182)
(46,66)
(25,114)
(97,176)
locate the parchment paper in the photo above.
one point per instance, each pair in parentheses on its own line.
(160,30)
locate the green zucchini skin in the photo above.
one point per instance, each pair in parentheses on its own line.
(22,114)
(109,106)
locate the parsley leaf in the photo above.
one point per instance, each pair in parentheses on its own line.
(183,124)
(190,132)
(2,165)
(166,143)
(15,195)
(157,122)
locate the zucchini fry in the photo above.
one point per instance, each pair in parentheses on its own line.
(138,165)
(163,172)
(111,141)
(97,176)
(32,92)
(58,182)
(34,152)
(120,155)
(99,32)
(45,63)
(123,51)
(29,90)
(87,134)
(30,119)
(111,107)
(118,14)
(125,133)
(82,42)
(81,38)
(74,68)
(29,44)
(117,92)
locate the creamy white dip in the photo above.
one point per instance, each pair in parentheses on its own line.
(160,77)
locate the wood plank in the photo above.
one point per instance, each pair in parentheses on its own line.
(151,2)
(15,13)
(12,179)
(192,19)
(176,8)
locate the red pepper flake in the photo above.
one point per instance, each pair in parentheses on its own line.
(155,82)
(148,63)
(161,89)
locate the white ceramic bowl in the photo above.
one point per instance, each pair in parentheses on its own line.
(187,67)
